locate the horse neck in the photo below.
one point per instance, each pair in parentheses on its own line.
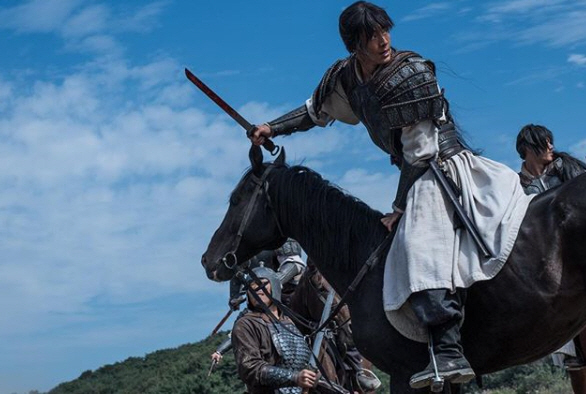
(337,232)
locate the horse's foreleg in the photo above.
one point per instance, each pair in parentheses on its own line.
(578,379)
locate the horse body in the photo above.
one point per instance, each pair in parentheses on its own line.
(531,308)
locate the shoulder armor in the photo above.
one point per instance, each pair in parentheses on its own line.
(289,248)
(408,91)
(327,84)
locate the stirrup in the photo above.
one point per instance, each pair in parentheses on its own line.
(431,379)
(437,382)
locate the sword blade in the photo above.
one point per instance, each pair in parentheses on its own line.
(214,362)
(320,335)
(219,101)
(249,127)
(221,323)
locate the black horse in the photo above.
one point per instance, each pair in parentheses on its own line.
(531,308)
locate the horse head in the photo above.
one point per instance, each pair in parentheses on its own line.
(250,224)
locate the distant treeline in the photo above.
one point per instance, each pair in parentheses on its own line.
(184,370)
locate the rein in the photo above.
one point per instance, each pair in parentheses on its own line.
(372,260)
(261,186)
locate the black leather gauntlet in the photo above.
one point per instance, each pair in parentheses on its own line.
(296,120)
(277,377)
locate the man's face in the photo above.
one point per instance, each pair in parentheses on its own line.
(260,291)
(543,157)
(377,49)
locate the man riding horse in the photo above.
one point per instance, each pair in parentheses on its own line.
(542,169)
(432,260)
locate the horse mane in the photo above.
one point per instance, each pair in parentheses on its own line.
(308,201)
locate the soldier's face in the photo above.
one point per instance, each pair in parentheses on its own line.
(543,157)
(260,291)
(377,48)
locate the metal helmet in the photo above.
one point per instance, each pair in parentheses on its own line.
(271,276)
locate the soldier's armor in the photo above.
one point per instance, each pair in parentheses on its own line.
(294,356)
(562,169)
(402,93)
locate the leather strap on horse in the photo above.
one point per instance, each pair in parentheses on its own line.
(372,260)
(260,186)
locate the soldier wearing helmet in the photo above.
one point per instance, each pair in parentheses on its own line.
(270,352)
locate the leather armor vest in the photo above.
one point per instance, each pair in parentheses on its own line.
(551,178)
(401,93)
(292,349)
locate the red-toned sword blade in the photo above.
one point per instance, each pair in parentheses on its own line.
(249,127)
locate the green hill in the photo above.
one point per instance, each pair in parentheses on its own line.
(175,371)
(184,371)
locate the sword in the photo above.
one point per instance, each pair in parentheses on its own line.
(320,335)
(466,221)
(214,363)
(221,323)
(249,127)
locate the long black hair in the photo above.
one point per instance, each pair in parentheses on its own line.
(534,137)
(361,20)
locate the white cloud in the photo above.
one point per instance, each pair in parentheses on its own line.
(90,20)
(38,16)
(106,201)
(142,19)
(556,23)
(577,59)
(579,150)
(376,189)
(520,6)
(84,27)
(428,11)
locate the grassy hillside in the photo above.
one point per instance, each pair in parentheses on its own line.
(184,371)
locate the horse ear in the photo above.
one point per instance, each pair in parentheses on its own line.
(281,158)
(255,155)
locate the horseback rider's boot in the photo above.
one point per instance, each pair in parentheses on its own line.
(367,380)
(441,312)
(452,366)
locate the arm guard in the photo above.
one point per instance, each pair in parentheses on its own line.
(224,346)
(289,248)
(288,271)
(276,377)
(409,174)
(296,120)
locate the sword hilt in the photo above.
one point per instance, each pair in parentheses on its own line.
(269,145)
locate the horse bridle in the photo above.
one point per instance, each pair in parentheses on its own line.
(262,186)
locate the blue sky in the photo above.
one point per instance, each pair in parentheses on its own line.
(115,170)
